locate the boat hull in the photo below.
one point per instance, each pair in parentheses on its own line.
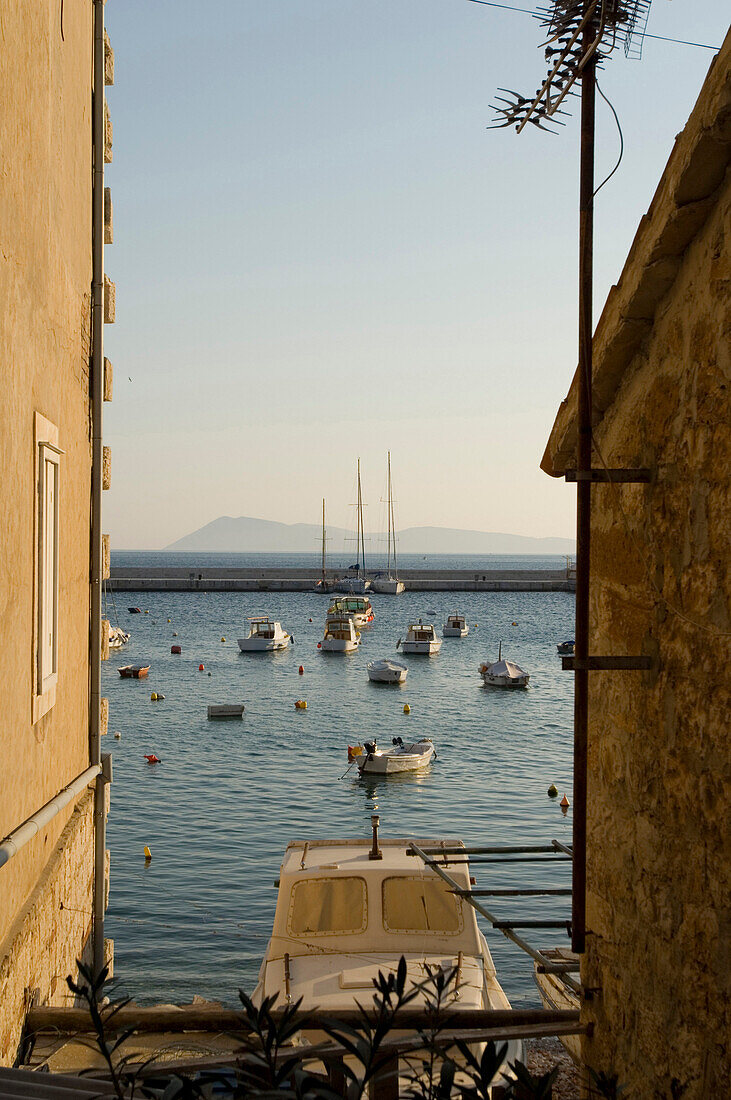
(505,681)
(338,645)
(455,632)
(396,762)
(388,587)
(392,673)
(133,672)
(422,649)
(262,645)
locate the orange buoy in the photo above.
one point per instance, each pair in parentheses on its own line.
(564,803)
(310,620)
(301,670)
(201,668)
(152,759)
(319,645)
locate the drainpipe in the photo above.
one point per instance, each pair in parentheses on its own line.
(97,402)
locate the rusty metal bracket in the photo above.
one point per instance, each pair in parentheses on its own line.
(606,664)
(641,475)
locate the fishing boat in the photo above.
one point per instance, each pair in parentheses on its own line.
(359,608)
(421,638)
(389,585)
(340,635)
(566,649)
(387,671)
(133,672)
(503,673)
(356,582)
(455,626)
(265,636)
(400,758)
(135,610)
(118,637)
(348,908)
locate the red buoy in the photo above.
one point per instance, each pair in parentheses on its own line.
(302,670)
(319,645)
(152,759)
(201,668)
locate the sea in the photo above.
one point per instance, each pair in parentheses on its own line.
(220,808)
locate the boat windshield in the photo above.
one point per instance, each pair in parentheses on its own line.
(322,906)
(263,630)
(414,904)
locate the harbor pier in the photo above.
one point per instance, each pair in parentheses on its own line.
(281,579)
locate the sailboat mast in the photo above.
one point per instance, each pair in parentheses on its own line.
(360,534)
(323,539)
(389,514)
(393,517)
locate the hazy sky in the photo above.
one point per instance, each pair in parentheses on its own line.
(321,252)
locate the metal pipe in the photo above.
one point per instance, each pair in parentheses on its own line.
(583,496)
(97,404)
(14,841)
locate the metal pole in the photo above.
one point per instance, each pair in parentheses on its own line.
(97,403)
(583,494)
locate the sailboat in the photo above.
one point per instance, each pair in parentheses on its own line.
(389,585)
(325,585)
(356,584)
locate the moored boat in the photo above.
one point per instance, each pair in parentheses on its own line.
(117,637)
(265,635)
(503,673)
(133,672)
(566,649)
(455,626)
(387,671)
(389,585)
(421,638)
(359,608)
(396,760)
(340,635)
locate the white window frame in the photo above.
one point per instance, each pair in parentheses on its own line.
(47,454)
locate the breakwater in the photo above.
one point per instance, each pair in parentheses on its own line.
(303,579)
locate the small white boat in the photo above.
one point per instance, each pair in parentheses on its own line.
(389,585)
(421,638)
(340,635)
(349,908)
(455,626)
(354,586)
(265,635)
(359,608)
(387,671)
(566,649)
(394,761)
(117,637)
(504,673)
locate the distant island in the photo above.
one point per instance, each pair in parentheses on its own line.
(246,535)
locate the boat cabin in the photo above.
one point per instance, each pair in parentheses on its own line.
(341,915)
(351,605)
(264,628)
(340,627)
(456,622)
(421,632)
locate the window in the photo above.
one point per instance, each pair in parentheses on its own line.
(47,477)
(414,904)
(322,906)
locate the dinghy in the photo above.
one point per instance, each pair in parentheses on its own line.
(133,672)
(394,761)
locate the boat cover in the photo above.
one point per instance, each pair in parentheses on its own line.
(505,668)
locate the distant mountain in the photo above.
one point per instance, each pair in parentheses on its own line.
(251,536)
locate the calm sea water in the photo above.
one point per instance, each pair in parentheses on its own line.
(337,560)
(228,796)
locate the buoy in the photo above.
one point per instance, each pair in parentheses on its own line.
(223,639)
(117,736)
(407,708)
(209,674)
(176,649)
(564,802)
(553,791)
(175,634)
(514,624)
(301,704)
(152,759)
(201,668)
(310,620)
(301,670)
(319,645)
(153,697)
(147,613)
(148,854)
(170,620)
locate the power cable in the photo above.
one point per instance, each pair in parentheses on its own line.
(621,140)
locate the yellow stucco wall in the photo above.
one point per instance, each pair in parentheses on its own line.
(45,280)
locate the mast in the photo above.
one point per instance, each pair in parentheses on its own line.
(359,534)
(323,540)
(390,507)
(393,517)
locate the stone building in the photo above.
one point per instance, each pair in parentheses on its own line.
(658,902)
(52,300)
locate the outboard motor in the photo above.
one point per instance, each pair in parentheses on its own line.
(397,741)
(370,747)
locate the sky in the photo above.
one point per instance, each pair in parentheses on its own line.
(322,253)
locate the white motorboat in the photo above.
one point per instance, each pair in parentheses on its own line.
(387,671)
(421,638)
(340,635)
(359,608)
(503,673)
(353,585)
(265,635)
(389,585)
(117,637)
(400,758)
(455,626)
(347,909)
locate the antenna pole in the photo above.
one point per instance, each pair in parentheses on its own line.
(583,494)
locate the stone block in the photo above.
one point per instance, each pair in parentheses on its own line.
(108,217)
(103,717)
(110,301)
(106,557)
(108,379)
(107,468)
(105,639)
(108,60)
(108,135)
